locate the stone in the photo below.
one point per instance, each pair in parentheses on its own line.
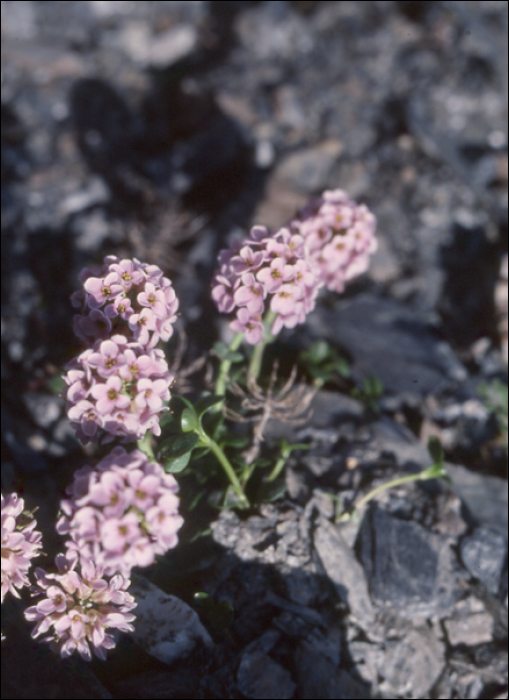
(413,664)
(345,572)
(408,568)
(166,627)
(387,340)
(484,496)
(261,677)
(470,631)
(484,553)
(45,409)
(309,170)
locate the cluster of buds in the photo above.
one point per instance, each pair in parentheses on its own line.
(78,608)
(119,383)
(121,513)
(327,244)
(21,542)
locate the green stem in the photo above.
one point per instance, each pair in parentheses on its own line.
(224,367)
(225,463)
(433,472)
(278,468)
(255,364)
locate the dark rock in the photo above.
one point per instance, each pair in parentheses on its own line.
(484,553)
(261,677)
(407,567)
(387,340)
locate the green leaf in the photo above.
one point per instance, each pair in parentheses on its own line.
(174,465)
(268,492)
(223,352)
(206,403)
(217,613)
(178,445)
(319,351)
(189,420)
(436,450)
(342,367)
(56,384)
(235,440)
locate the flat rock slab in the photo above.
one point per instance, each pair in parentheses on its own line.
(345,572)
(387,340)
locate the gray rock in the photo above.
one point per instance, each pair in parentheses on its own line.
(407,567)
(387,340)
(472,630)
(45,409)
(165,626)
(345,572)
(261,677)
(484,553)
(309,170)
(413,664)
(485,496)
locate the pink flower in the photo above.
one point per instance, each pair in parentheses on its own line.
(109,396)
(101,290)
(21,542)
(153,298)
(108,360)
(251,326)
(128,273)
(276,274)
(284,300)
(141,323)
(78,608)
(151,393)
(250,294)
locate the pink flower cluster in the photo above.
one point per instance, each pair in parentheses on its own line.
(265,269)
(119,387)
(77,609)
(20,544)
(119,383)
(327,244)
(122,513)
(339,236)
(126,297)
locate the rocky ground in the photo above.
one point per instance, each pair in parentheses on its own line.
(160,129)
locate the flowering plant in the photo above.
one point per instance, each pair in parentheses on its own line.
(123,512)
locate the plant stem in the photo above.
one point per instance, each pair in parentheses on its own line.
(225,365)
(225,463)
(278,468)
(255,364)
(433,472)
